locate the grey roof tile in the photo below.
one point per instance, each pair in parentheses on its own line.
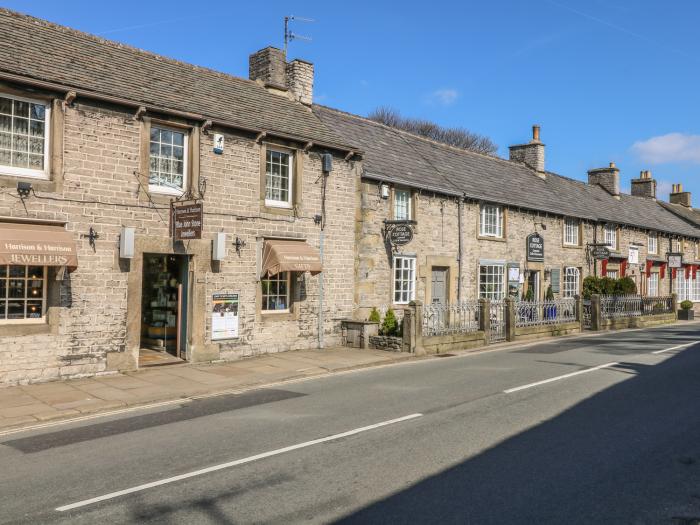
(399,157)
(44,51)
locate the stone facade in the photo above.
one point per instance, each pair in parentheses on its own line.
(93,316)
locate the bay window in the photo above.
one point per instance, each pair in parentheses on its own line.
(24,137)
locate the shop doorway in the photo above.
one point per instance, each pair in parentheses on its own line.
(164,309)
(533,283)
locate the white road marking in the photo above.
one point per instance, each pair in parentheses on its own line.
(677,347)
(565,376)
(234,463)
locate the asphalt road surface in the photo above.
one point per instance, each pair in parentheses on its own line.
(602,429)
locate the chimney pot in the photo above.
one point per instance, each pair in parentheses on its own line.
(612,164)
(678,196)
(536,133)
(530,154)
(644,186)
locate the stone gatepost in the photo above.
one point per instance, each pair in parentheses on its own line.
(413,328)
(485,319)
(510,319)
(675,305)
(596,313)
(579,310)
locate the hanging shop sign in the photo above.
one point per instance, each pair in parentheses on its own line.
(400,234)
(535,248)
(224,316)
(600,253)
(186,221)
(675,260)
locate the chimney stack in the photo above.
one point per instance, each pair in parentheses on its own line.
(678,196)
(644,186)
(295,79)
(607,178)
(530,154)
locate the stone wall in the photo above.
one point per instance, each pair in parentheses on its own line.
(90,310)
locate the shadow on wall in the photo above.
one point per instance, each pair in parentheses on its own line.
(630,454)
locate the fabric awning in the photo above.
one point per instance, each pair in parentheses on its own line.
(37,244)
(290,256)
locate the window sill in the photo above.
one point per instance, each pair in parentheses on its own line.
(20,328)
(22,173)
(288,211)
(572,246)
(489,238)
(278,316)
(158,190)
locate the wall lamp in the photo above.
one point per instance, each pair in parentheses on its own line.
(24,189)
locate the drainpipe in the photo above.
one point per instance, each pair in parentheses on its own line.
(326,168)
(460,204)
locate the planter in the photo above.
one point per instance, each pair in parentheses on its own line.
(686,315)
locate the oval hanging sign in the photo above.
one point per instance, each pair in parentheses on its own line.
(600,253)
(401,234)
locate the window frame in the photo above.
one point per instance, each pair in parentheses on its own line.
(612,229)
(576,223)
(499,224)
(492,296)
(412,279)
(44,299)
(45,174)
(655,237)
(409,206)
(165,190)
(566,289)
(288,294)
(271,203)
(657,284)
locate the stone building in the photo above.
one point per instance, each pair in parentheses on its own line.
(97,141)
(485,227)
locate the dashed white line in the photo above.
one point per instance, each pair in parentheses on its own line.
(558,378)
(234,463)
(677,347)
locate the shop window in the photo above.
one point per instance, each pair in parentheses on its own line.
(653,243)
(492,282)
(278,178)
(275,292)
(402,205)
(404,279)
(167,160)
(572,282)
(22,293)
(24,137)
(610,236)
(491,221)
(571,232)
(653,285)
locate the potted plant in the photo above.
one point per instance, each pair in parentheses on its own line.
(550,311)
(686,312)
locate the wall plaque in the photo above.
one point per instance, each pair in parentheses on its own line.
(186,221)
(535,248)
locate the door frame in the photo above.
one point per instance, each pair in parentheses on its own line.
(446,270)
(425,272)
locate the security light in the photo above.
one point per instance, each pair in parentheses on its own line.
(24,189)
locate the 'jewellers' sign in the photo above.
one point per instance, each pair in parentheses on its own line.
(186,220)
(400,234)
(535,248)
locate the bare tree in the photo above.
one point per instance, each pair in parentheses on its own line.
(458,137)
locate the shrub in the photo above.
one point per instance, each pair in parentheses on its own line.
(529,295)
(374,316)
(549,296)
(607,286)
(686,305)
(625,286)
(389,326)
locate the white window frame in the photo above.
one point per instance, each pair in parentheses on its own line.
(653,243)
(495,221)
(612,274)
(290,171)
(653,284)
(687,289)
(610,236)
(44,299)
(406,296)
(572,282)
(407,203)
(27,172)
(499,282)
(165,190)
(288,295)
(675,245)
(572,233)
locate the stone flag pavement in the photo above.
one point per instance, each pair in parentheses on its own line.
(30,404)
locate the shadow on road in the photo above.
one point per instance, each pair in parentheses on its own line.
(629,454)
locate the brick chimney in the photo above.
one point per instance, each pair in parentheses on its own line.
(644,186)
(300,80)
(678,196)
(530,154)
(607,178)
(269,65)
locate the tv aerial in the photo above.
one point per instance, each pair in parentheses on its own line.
(289,36)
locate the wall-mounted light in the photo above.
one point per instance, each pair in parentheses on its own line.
(239,244)
(126,243)
(24,189)
(92,237)
(384,191)
(219,247)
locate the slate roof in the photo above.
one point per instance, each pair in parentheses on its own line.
(691,215)
(398,157)
(40,50)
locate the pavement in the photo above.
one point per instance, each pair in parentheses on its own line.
(36,403)
(601,429)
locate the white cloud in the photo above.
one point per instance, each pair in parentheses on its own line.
(674,147)
(444,97)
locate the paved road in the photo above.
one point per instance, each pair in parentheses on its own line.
(484,438)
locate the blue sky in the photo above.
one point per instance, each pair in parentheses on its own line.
(608,80)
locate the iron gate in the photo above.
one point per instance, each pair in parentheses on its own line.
(498,321)
(586,314)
